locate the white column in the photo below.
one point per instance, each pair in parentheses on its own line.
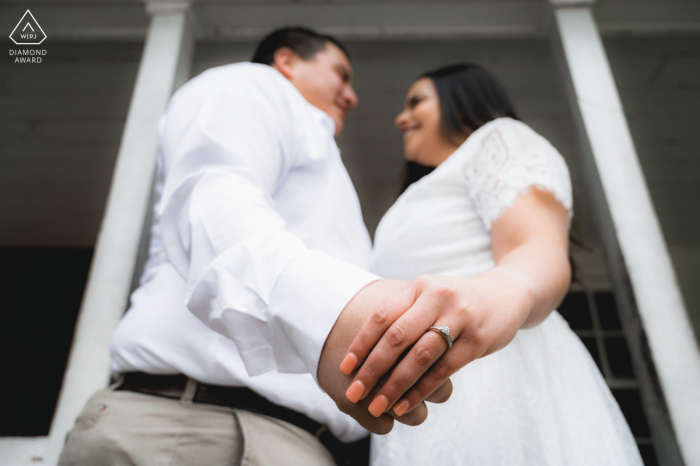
(167,55)
(603,125)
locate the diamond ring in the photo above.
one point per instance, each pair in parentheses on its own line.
(444,332)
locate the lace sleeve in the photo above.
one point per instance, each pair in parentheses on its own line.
(513,159)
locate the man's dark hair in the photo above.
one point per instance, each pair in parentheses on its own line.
(302,41)
(470,97)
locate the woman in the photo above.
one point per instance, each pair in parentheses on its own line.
(495,215)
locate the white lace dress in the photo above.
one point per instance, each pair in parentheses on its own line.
(539,401)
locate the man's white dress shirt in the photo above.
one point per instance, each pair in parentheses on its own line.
(257,244)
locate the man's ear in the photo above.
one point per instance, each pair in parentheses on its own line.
(285,61)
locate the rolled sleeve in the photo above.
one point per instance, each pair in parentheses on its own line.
(307,299)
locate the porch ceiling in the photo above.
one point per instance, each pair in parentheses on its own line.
(246,19)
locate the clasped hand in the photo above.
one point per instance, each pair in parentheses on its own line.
(483,316)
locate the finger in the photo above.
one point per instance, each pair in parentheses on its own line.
(381,425)
(375,326)
(418,360)
(403,333)
(416,417)
(378,425)
(461,353)
(442,394)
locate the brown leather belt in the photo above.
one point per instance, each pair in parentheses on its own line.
(173,386)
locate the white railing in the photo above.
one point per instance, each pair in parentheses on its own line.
(644,261)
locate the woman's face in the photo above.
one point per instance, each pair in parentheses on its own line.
(420,124)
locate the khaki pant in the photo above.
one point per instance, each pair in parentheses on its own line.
(127,428)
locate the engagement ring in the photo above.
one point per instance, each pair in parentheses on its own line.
(444,331)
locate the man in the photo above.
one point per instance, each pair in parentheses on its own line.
(257,246)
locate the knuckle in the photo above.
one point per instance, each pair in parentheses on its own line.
(469,334)
(370,370)
(472,330)
(439,371)
(442,289)
(421,280)
(395,336)
(380,316)
(423,356)
(476,338)
(464,308)
(467,313)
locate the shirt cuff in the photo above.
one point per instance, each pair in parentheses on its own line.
(309,295)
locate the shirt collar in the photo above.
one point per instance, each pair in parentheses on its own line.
(323,117)
(319,114)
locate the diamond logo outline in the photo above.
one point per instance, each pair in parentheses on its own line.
(37,24)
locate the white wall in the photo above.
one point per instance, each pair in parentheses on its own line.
(60,126)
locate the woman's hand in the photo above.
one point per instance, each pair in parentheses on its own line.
(483,317)
(530,247)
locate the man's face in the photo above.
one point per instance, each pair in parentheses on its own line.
(325,81)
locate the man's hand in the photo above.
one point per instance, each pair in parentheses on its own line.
(336,383)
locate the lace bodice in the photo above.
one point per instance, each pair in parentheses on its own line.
(512,159)
(441,224)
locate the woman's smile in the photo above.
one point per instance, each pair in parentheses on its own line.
(419,123)
(408,132)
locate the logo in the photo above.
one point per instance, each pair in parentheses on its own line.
(28,31)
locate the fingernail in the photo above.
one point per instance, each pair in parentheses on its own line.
(355,391)
(401,408)
(348,364)
(378,405)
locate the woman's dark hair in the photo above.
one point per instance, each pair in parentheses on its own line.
(469,98)
(302,41)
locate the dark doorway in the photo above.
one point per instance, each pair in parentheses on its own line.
(41,290)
